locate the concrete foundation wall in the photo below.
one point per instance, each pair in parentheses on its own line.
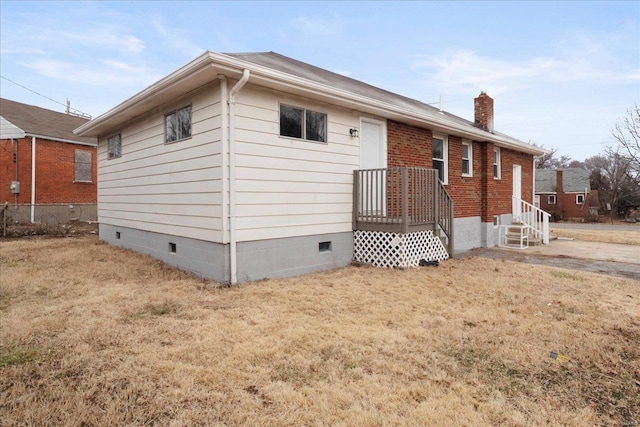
(491,233)
(467,233)
(255,260)
(51,214)
(293,256)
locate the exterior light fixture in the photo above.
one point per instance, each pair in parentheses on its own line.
(353,132)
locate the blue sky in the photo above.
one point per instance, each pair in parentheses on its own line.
(561,73)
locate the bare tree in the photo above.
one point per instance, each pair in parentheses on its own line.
(627,133)
(550,160)
(612,175)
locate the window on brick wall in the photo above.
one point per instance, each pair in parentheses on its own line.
(304,124)
(467,158)
(83,166)
(178,124)
(496,163)
(114,147)
(579,199)
(551,200)
(440,154)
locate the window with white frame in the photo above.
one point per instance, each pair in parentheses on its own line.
(579,199)
(467,158)
(82,166)
(439,156)
(178,124)
(114,147)
(496,163)
(303,124)
(551,200)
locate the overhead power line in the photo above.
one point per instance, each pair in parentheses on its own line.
(75,110)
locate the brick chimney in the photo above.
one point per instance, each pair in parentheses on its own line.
(483,107)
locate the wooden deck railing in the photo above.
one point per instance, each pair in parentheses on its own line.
(402,200)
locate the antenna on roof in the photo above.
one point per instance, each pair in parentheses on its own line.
(75,112)
(441,102)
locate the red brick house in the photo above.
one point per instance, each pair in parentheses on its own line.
(566,193)
(244,166)
(47,173)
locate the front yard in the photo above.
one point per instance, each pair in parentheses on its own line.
(97,335)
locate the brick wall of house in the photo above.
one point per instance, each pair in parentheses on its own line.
(478,195)
(55,172)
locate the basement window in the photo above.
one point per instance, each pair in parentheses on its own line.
(551,200)
(496,220)
(117,235)
(303,124)
(324,247)
(579,199)
(178,124)
(172,248)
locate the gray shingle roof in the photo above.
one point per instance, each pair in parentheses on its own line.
(574,180)
(301,69)
(42,122)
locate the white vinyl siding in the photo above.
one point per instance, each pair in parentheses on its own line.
(167,188)
(285,188)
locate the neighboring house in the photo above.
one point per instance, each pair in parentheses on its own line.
(47,173)
(245,166)
(565,193)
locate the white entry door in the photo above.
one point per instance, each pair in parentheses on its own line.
(373,147)
(517,192)
(373,155)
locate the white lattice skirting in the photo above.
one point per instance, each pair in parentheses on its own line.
(384,249)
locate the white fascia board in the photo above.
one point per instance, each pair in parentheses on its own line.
(233,68)
(68,141)
(10,131)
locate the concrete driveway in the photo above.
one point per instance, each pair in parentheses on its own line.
(588,250)
(604,258)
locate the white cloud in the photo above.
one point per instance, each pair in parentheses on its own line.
(106,72)
(580,60)
(319,27)
(177,40)
(106,37)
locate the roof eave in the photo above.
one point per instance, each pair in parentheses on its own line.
(233,67)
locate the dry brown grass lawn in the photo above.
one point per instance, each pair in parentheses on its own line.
(96,335)
(631,237)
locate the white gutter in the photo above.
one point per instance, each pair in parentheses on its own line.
(33,179)
(232,175)
(55,138)
(231,66)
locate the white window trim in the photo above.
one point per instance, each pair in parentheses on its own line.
(499,163)
(470,153)
(304,124)
(577,197)
(445,155)
(549,202)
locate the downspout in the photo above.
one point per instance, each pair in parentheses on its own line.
(33,179)
(232,176)
(224,114)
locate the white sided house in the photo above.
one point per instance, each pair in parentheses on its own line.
(239,167)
